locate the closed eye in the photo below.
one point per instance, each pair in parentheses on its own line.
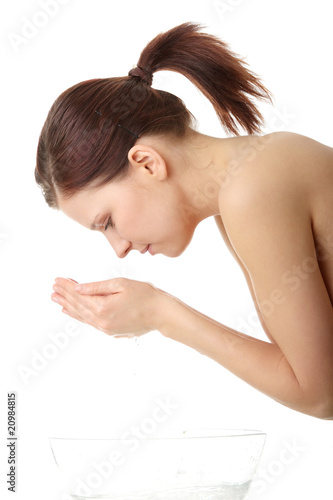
(109,223)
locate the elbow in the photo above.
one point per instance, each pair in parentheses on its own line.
(323,409)
(317,397)
(318,404)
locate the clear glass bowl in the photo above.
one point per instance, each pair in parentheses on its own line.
(184,465)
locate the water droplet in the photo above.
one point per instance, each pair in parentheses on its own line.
(136,340)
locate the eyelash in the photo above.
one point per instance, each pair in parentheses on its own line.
(109,223)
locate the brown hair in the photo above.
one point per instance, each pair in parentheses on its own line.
(91,126)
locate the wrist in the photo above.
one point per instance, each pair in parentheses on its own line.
(162,311)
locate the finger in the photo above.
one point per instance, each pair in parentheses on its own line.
(66,312)
(68,283)
(65,292)
(100,287)
(85,308)
(74,309)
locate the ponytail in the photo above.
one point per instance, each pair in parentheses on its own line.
(91,126)
(217,72)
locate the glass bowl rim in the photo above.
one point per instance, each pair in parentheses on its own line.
(176,435)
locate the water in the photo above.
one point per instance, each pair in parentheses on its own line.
(137,347)
(221,492)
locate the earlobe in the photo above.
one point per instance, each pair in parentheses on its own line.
(141,156)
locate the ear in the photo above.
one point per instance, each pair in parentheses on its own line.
(148,160)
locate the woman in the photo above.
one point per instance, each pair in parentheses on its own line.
(120,157)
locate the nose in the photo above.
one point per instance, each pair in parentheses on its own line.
(121,246)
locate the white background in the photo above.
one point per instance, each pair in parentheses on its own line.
(97,386)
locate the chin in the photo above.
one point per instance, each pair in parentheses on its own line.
(175,254)
(179,246)
(178,250)
(171,252)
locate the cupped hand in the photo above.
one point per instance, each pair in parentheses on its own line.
(118,307)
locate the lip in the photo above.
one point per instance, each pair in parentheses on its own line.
(150,250)
(147,249)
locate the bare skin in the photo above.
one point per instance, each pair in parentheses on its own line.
(272,201)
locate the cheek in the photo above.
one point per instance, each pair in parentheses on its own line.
(135,221)
(145,220)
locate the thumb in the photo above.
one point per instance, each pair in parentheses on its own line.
(99,287)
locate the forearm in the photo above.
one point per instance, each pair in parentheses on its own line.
(260,364)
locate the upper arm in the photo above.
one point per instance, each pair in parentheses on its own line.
(271,234)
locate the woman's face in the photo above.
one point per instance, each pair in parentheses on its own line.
(146,209)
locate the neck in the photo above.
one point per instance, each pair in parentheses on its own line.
(206,162)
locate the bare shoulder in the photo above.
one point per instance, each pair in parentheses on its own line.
(282,164)
(291,146)
(267,192)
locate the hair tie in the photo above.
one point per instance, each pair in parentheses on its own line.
(141,73)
